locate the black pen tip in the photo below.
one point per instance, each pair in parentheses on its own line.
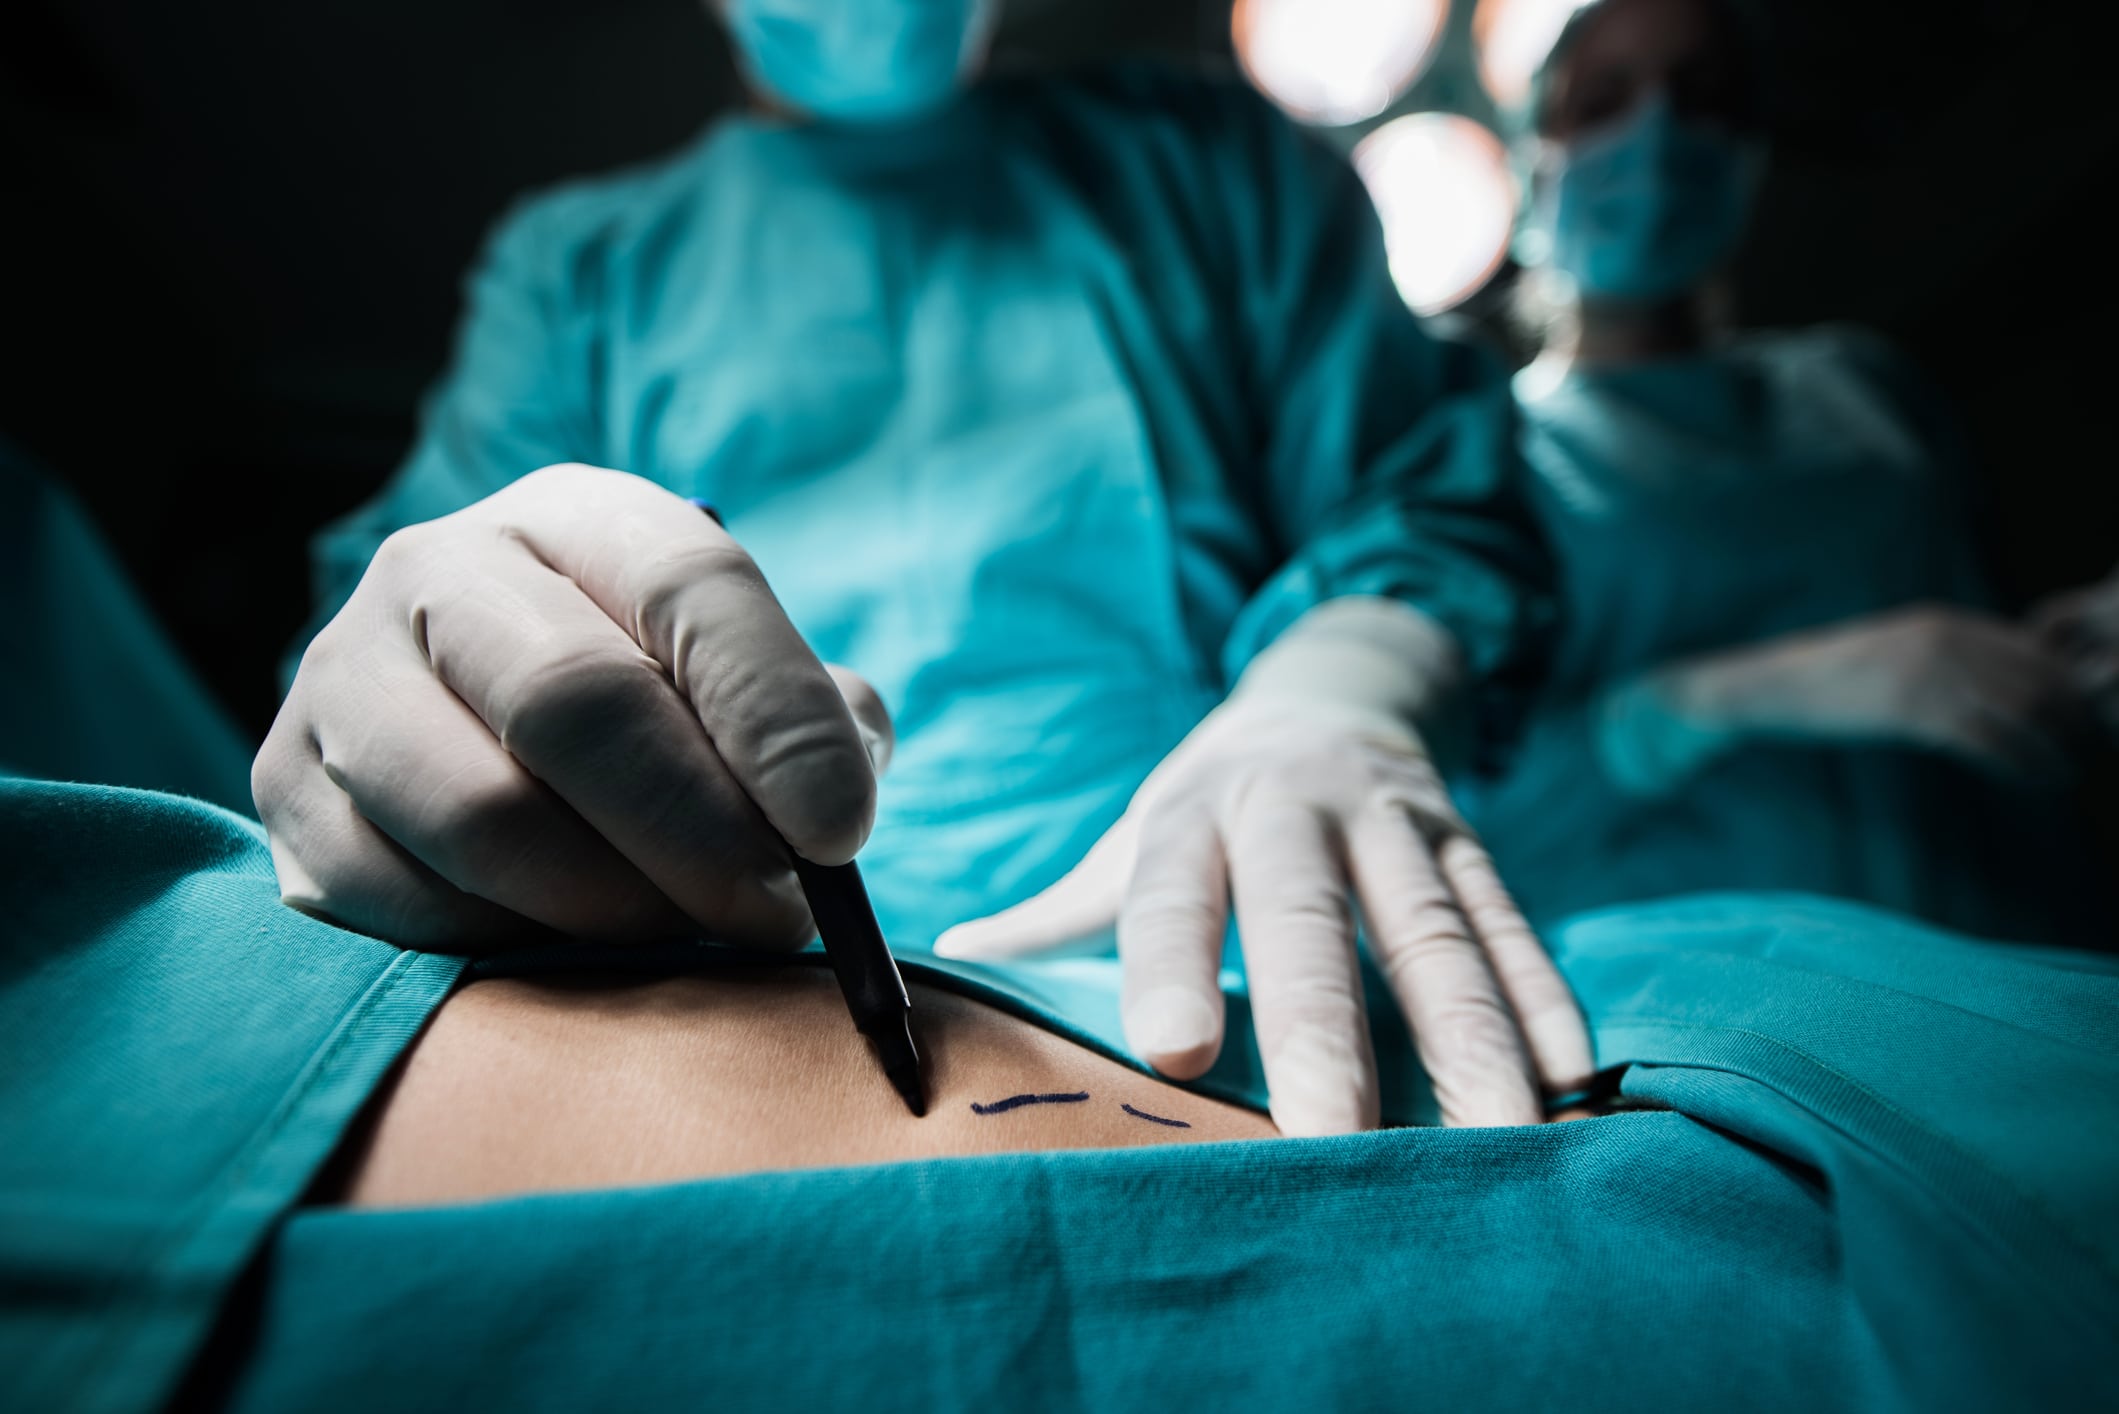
(901,1062)
(907,1080)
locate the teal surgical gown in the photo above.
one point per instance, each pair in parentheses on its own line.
(1876,1173)
(1043,414)
(91,687)
(1698,504)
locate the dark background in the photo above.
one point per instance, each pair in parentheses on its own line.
(233,233)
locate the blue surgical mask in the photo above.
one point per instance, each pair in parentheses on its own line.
(1646,208)
(861,60)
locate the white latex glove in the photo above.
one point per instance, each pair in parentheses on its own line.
(1935,676)
(575,702)
(2082,626)
(1310,784)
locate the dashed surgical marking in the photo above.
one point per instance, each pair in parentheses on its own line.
(1016,1102)
(1152,1119)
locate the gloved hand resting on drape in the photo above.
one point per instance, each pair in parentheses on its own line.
(1933,676)
(2082,626)
(1310,783)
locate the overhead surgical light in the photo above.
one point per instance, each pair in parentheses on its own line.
(1442,186)
(1336,61)
(1513,37)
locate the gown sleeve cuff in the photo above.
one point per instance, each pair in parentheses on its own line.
(1374,655)
(1645,745)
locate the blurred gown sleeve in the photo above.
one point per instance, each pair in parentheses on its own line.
(1629,727)
(95,690)
(519,394)
(1386,456)
(1958,492)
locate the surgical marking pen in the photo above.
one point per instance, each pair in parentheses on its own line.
(868,975)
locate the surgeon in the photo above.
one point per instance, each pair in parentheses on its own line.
(1073,419)
(1777,667)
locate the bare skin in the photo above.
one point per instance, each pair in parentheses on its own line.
(531,1086)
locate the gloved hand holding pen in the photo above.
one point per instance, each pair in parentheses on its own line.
(574,702)
(1310,787)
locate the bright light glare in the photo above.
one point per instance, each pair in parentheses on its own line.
(1336,61)
(1442,186)
(1514,36)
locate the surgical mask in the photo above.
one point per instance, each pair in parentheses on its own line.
(1647,208)
(861,60)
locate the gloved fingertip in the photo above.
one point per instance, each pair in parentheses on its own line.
(878,745)
(969,942)
(870,717)
(298,890)
(1175,1030)
(1490,1107)
(1304,1117)
(1560,1043)
(834,838)
(784,905)
(773,919)
(1026,929)
(1320,1087)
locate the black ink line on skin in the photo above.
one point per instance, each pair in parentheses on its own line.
(1016,1102)
(1154,1119)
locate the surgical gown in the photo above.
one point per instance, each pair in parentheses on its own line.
(1043,414)
(1699,504)
(1877,1174)
(91,687)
